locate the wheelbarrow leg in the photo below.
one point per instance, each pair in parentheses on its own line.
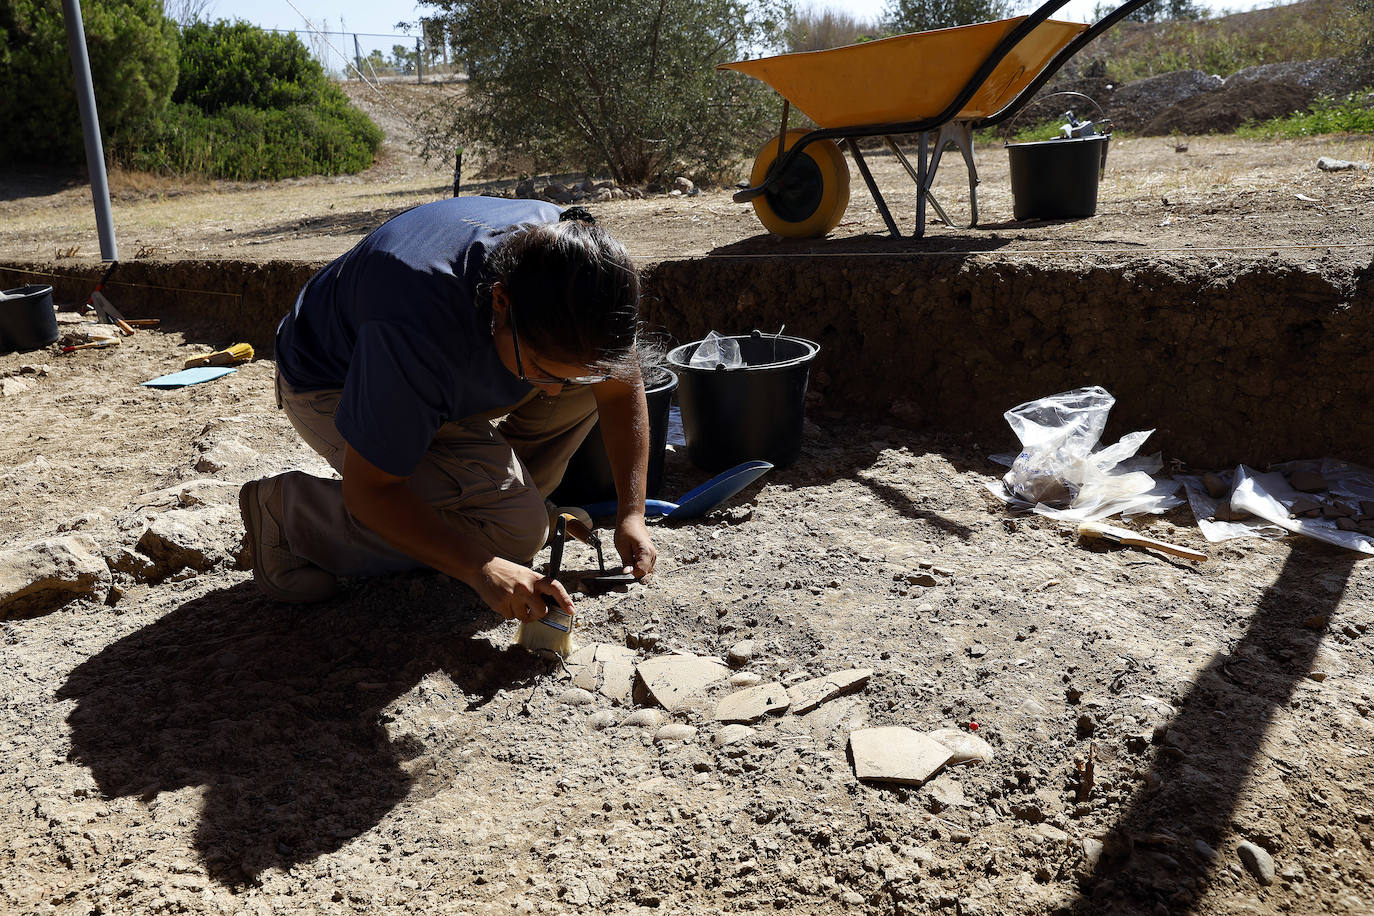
(961,135)
(873,187)
(917,174)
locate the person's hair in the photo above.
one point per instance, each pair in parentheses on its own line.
(575,292)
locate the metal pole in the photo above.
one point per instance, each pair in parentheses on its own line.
(357,56)
(419,63)
(90,128)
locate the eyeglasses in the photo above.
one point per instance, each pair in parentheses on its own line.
(544,379)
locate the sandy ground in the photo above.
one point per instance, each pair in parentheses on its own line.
(171,742)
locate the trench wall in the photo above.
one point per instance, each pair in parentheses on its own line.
(1233,362)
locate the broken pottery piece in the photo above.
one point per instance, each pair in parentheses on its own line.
(670,679)
(752,703)
(807,695)
(1215,486)
(898,754)
(1304,505)
(1307,482)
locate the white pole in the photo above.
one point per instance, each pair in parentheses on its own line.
(90,128)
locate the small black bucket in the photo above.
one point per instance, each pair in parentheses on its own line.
(754,411)
(1057,179)
(588,478)
(27,319)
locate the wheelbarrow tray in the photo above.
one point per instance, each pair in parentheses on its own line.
(910,77)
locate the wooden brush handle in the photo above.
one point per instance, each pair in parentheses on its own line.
(1139,540)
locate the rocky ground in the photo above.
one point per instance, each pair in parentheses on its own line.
(171,742)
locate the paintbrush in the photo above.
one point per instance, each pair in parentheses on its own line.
(550,635)
(1088,531)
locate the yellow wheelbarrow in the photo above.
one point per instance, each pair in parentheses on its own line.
(947,81)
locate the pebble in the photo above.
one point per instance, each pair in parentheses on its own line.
(1258,861)
(1092,850)
(643,718)
(746,679)
(576,696)
(675,731)
(740,653)
(601,719)
(1207,852)
(732,734)
(966,747)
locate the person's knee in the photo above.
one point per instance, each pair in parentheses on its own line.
(520,530)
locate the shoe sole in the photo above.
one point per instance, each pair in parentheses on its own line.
(251,512)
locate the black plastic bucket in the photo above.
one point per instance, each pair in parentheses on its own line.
(588,478)
(751,412)
(1057,179)
(27,319)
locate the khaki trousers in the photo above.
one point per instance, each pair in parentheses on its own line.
(487,476)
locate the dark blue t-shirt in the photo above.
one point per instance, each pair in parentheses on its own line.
(395,324)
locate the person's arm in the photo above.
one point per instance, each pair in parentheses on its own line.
(624,420)
(386,504)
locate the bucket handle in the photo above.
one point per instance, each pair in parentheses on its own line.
(782,327)
(1100,113)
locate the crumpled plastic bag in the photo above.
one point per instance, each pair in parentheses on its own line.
(1270,497)
(1062,474)
(716,352)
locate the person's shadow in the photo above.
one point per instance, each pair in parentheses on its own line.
(281,713)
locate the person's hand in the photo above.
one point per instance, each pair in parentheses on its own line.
(517,592)
(637,551)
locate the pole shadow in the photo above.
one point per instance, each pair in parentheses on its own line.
(279,712)
(1199,772)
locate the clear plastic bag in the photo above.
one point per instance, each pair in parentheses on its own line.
(716,352)
(1060,474)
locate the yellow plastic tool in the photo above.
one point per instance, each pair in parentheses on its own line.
(229,356)
(910,77)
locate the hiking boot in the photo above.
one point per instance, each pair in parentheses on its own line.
(278,573)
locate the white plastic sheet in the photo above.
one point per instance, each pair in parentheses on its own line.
(1270,497)
(1205,508)
(1061,472)
(715,351)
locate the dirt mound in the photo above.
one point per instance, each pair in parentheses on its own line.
(1223,110)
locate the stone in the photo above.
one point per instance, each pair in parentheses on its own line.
(173,544)
(12,386)
(643,718)
(601,719)
(1257,861)
(584,677)
(740,653)
(898,754)
(1307,482)
(131,563)
(576,696)
(944,792)
(964,747)
(807,695)
(732,734)
(1206,852)
(753,703)
(977,650)
(675,731)
(746,679)
(670,679)
(1216,487)
(684,184)
(524,189)
(225,455)
(42,576)
(1092,850)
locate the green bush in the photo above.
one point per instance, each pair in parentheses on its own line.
(236,63)
(626,86)
(252,105)
(901,16)
(256,144)
(1350,115)
(133,53)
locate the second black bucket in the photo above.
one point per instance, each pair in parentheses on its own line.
(27,319)
(754,411)
(1057,179)
(588,478)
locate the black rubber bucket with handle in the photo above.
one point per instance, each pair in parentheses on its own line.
(1057,179)
(588,478)
(27,319)
(750,412)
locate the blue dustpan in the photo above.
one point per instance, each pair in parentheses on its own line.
(699,500)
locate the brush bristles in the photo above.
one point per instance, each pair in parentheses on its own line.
(551,634)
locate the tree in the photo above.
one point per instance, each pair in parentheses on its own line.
(629,86)
(1158,11)
(812,29)
(902,16)
(133,53)
(236,63)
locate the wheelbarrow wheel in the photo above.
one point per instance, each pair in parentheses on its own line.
(809,200)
